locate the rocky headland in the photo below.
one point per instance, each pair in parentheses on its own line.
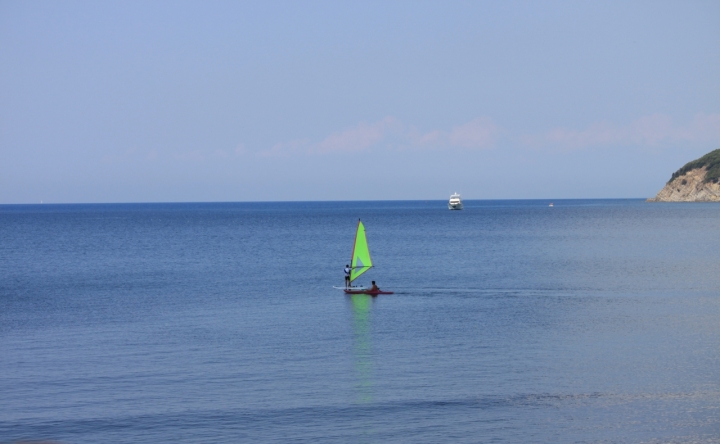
(697,181)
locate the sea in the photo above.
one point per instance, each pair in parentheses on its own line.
(589,321)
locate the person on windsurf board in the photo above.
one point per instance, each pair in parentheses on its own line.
(347,276)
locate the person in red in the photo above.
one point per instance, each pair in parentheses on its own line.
(374,287)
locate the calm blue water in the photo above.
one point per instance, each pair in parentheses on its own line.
(593,321)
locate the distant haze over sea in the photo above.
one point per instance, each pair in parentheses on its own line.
(334,101)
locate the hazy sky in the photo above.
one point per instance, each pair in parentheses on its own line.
(221,101)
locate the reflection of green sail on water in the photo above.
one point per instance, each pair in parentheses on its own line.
(361,261)
(363,351)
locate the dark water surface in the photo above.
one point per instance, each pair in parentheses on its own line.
(592,321)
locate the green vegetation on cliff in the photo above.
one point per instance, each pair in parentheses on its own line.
(710,160)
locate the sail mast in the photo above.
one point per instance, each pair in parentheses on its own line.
(352,255)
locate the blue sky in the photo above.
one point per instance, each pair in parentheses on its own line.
(227,101)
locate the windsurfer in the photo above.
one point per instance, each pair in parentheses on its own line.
(347,276)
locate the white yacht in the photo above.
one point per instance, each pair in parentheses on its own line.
(455,203)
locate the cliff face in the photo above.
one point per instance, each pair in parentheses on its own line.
(689,187)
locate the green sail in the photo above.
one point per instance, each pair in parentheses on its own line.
(361,261)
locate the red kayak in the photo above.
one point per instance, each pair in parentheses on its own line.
(370,292)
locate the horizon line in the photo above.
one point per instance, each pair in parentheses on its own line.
(315,201)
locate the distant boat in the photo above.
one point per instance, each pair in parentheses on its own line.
(455,202)
(551,204)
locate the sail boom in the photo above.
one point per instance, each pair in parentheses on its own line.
(357,272)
